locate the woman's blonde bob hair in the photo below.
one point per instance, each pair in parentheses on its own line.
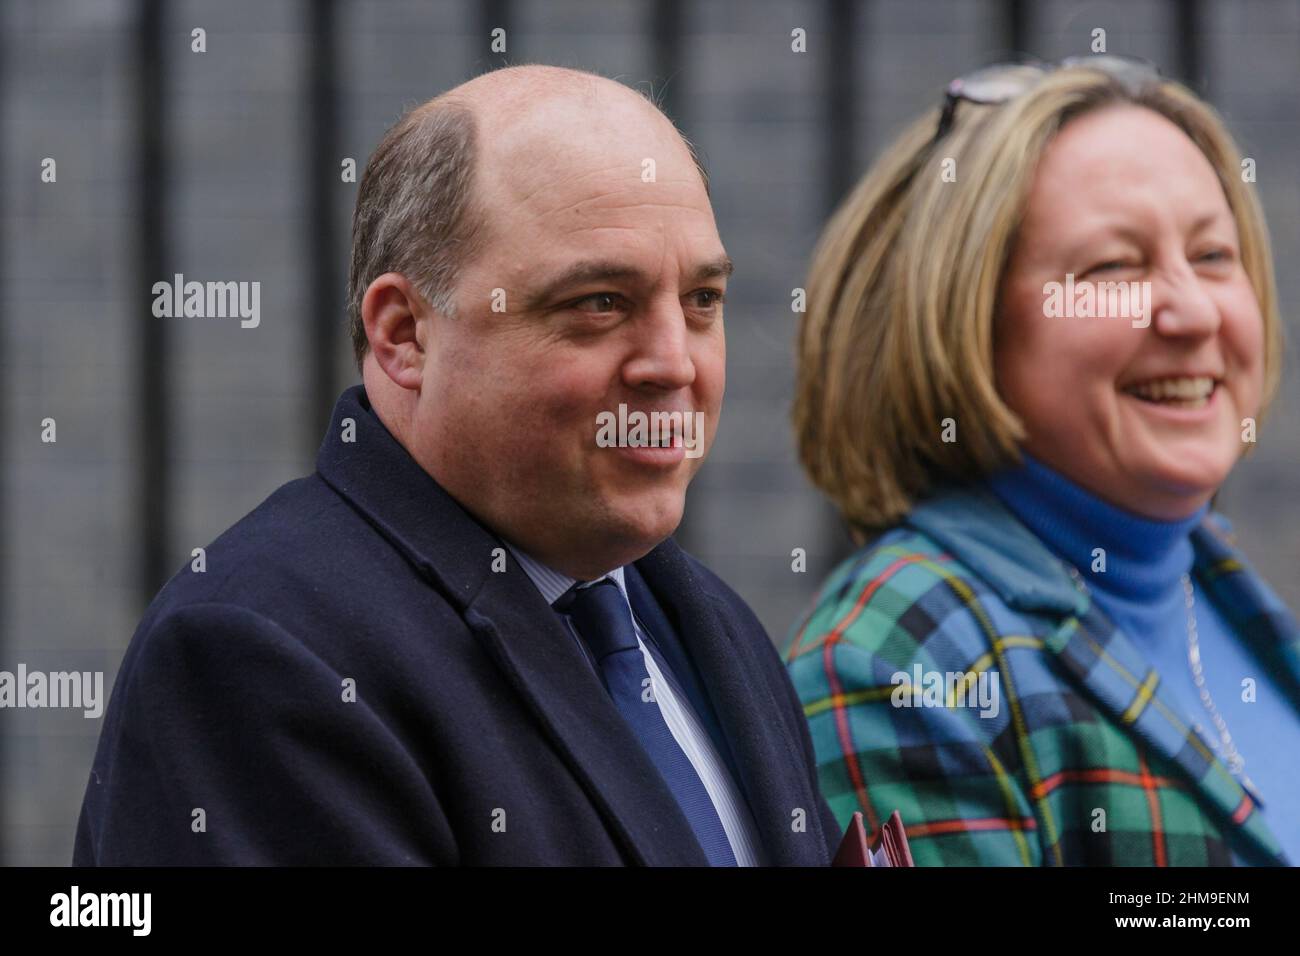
(903,291)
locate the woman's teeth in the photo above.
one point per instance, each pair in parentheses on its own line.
(1181,392)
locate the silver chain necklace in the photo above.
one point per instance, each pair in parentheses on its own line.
(1229,754)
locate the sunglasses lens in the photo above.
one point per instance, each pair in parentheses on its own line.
(1130,71)
(996,84)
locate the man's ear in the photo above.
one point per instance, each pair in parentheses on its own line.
(393,312)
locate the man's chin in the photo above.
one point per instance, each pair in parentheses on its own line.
(643,526)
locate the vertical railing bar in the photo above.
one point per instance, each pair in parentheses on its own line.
(842,92)
(153,399)
(324,301)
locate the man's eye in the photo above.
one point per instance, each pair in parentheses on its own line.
(708,298)
(599,303)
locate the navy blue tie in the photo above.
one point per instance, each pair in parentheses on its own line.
(604,621)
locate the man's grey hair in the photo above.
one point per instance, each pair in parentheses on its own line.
(416,211)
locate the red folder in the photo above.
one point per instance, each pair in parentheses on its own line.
(889,849)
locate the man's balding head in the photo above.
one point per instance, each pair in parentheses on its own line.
(418,212)
(535,250)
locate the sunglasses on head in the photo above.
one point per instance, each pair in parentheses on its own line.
(991,85)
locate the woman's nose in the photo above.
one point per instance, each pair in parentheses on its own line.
(1181,304)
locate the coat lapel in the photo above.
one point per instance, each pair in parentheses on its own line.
(768,755)
(542,662)
(1093,652)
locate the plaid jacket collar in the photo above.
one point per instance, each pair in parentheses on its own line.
(977,529)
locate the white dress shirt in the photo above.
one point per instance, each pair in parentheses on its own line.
(678,714)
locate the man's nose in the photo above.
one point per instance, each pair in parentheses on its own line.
(1181,303)
(662,357)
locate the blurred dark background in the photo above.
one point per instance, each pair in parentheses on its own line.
(225,165)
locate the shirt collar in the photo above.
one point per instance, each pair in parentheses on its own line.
(552,583)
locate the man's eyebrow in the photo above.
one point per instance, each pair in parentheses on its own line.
(596,270)
(719,268)
(603,270)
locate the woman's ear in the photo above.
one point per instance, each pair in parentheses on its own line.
(392,311)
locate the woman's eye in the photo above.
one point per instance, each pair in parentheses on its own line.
(1215,255)
(1108,266)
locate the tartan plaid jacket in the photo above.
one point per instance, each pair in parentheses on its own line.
(1087,760)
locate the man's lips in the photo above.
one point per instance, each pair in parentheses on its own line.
(673,440)
(652,455)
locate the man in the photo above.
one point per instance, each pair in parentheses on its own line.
(468,638)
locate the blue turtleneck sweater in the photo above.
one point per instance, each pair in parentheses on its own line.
(1141,590)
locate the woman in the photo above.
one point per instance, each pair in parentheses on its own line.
(1040,334)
